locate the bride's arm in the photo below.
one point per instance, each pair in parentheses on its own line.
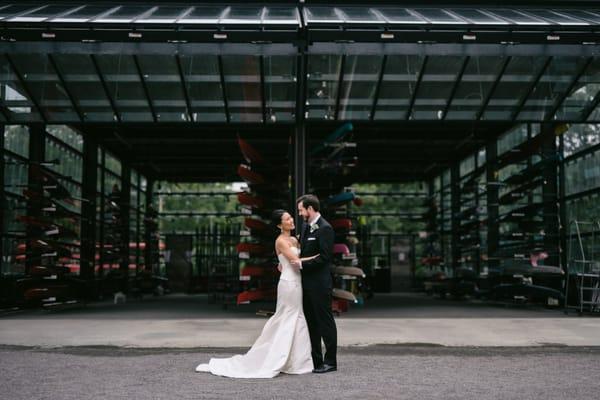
(283,247)
(309,258)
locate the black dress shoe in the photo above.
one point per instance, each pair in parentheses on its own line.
(325,368)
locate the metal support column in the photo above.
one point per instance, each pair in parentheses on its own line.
(493,230)
(562,207)
(147,239)
(455,211)
(299,178)
(550,193)
(88,208)
(37,154)
(2,200)
(125,221)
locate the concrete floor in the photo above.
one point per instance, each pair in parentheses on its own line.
(374,372)
(180,321)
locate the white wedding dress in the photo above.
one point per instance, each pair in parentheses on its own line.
(284,343)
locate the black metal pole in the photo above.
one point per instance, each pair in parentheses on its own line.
(299,180)
(37,153)
(88,208)
(493,229)
(125,221)
(562,206)
(455,210)
(550,194)
(2,200)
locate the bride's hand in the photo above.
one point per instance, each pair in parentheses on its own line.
(310,258)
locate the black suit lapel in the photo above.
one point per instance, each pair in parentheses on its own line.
(303,234)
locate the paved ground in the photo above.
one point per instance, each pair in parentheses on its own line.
(179,321)
(374,372)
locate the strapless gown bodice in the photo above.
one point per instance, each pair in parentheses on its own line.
(289,273)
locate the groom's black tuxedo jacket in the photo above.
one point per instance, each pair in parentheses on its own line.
(316,273)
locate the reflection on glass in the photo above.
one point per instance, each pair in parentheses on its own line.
(477,80)
(323,78)
(397,86)
(359,83)
(436,85)
(513,85)
(243,87)
(551,87)
(575,106)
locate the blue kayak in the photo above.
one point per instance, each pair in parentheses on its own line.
(335,136)
(341,198)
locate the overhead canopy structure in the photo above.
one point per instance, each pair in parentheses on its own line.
(169,85)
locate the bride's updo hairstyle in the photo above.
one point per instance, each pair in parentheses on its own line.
(276,219)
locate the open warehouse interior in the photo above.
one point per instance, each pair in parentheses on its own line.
(455,148)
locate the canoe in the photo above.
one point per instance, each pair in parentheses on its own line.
(340,199)
(341,223)
(352,271)
(250,154)
(250,176)
(340,248)
(338,134)
(344,294)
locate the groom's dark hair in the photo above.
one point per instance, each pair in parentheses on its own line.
(309,200)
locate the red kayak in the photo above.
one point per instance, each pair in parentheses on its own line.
(247,199)
(49,270)
(250,176)
(255,224)
(255,295)
(258,271)
(341,223)
(340,248)
(358,201)
(250,153)
(252,248)
(45,292)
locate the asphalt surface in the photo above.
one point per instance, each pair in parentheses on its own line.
(372,372)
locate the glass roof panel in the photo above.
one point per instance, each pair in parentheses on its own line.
(321,15)
(243,87)
(397,86)
(203,15)
(80,76)
(359,15)
(516,17)
(243,15)
(361,74)
(557,18)
(124,14)
(43,13)
(163,81)
(477,80)
(203,84)
(436,85)
(280,87)
(281,15)
(478,17)
(14,10)
(400,16)
(163,15)
(438,16)
(513,85)
(83,14)
(45,86)
(14,96)
(552,86)
(584,15)
(582,95)
(125,87)
(322,81)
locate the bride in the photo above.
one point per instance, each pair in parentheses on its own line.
(284,344)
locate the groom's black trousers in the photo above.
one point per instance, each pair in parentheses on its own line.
(319,318)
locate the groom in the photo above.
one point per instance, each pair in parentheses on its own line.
(317,237)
